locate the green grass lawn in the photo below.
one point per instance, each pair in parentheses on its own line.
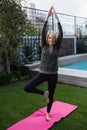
(15,104)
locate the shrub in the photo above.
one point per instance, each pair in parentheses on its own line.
(81,46)
(18,73)
(5,78)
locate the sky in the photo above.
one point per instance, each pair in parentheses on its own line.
(71,7)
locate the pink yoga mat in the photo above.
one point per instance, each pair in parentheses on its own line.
(37,121)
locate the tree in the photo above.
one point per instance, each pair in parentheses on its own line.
(12,22)
(30,30)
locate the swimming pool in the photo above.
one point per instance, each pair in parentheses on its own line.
(79,66)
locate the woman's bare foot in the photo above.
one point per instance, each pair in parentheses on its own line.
(46,94)
(48,118)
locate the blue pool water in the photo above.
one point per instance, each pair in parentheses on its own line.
(79,66)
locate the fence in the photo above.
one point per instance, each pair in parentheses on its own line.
(72,25)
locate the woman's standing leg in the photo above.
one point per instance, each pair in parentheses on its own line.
(52,80)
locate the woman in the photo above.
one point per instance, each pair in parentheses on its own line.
(49,64)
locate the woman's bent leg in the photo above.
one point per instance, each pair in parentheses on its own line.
(33,83)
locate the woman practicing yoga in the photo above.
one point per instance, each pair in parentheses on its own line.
(49,63)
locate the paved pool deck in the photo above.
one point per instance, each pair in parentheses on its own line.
(68,76)
(73,76)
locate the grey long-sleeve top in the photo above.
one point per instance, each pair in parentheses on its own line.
(49,61)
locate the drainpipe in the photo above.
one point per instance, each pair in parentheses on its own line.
(75,52)
(75,42)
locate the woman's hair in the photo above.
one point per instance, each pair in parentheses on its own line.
(53,34)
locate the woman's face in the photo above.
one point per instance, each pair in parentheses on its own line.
(50,40)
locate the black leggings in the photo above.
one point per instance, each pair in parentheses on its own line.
(37,80)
